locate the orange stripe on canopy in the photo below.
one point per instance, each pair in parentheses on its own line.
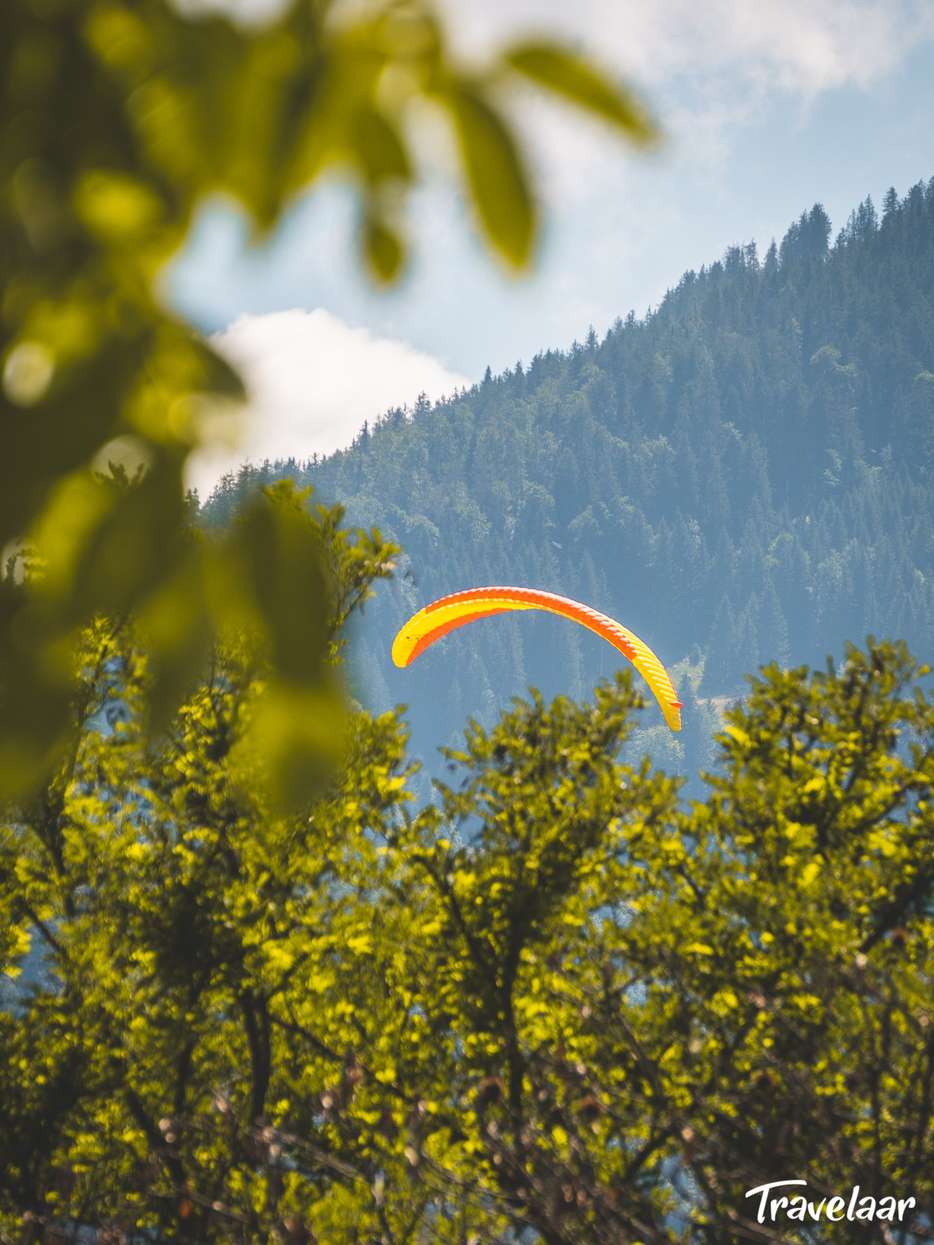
(459,608)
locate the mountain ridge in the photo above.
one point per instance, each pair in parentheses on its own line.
(742,475)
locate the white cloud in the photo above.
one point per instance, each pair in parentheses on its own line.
(707,68)
(804,45)
(312,381)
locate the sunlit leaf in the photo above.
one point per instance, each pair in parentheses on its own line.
(378,147)
(562,71)
(383,247)
(496,176)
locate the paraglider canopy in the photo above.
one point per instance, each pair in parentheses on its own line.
(450,612)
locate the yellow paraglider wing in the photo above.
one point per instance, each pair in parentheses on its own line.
(450,612)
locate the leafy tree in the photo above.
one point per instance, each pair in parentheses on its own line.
(120,119)
(173,921)
(653,1011)
(554,1005)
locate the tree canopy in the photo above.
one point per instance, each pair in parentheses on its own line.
(553,1004)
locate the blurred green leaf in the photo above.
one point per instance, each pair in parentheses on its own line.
(384,250)
(282,559)
(495,173)
(116,207)
(379,148)
(293,742)
(563,72)
(120,120)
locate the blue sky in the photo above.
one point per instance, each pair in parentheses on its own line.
(768,106)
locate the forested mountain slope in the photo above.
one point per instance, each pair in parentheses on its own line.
(743,475)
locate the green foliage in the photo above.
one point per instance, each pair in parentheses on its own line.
(120,119)
(267,585)
(166,904)
(558,69)
(553,1002)
(497,179)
